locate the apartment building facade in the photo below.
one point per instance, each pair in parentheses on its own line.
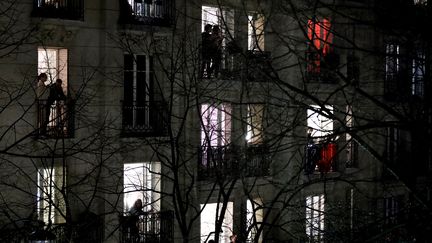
(309,123)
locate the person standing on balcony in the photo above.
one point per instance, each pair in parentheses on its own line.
(216,50)
(133,221)
(41,88)
(205,51)
(41,95)
(137,208)
(56,95)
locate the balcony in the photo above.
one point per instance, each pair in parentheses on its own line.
(56,120)
(146,12)
(217,161)
(152,227)
(320,157)
(62,9)
(150,119)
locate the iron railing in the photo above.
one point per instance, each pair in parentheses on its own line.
(232,161)
(90,231)
(149,119)
(55,120)
(63,9)
(151,227)
(146,12)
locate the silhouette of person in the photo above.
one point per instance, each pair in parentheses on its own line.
(216,50)
(56,95)
(137,208)
(40,86)
(205,51)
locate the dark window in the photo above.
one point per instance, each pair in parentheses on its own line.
(142,114)
(393,209)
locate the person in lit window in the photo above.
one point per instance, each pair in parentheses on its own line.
(133,220)
(56,95)
(216,50)
(137,208)
(40,86)
(205,51)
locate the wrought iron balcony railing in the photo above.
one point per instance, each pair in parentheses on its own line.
(62,9)
(232,161)
(149,119)
(55,120)
(146,12)
(152,227)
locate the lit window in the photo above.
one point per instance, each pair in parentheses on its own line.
(320,40)
(254,133)
(254,219)
(319,122)
(216,125)
(148,8)
(53,62)
(321,149)
(210,213)
(315,218)
(142,181)
(53,107)
(51,207)
(256,32)
(224,18)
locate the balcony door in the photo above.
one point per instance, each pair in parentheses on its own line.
(138,91)
(215,131)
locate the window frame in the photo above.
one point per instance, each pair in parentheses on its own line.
(315,217)
(133,83)
(320,41)
(255,124)
(216,118)
(51,205)
(254,219)
(256,31)
(148,175)
(60,69)
(208,217)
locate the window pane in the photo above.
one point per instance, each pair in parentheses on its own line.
(319,123)
(141,181)
(208,219)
